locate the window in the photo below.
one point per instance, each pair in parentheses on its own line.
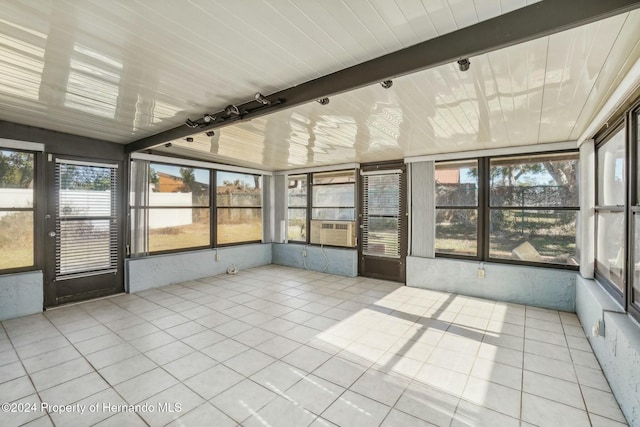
(334,196)
(635,289)
(534,208)
(610,210)
(16,210)
(519,209)
(297,202)
(171,207)
(333,208)
(238,208)
(457,208)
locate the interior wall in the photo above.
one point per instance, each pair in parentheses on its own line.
(340,261)
(618,351)
(20,294)
(162,270)
(538,286)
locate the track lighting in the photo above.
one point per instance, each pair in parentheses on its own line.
(209,133)
(323,101)
(188,139)
(386,84)
(261,99)
(191,124)
(209,118)
(464,64)
(232,110)
(168,145)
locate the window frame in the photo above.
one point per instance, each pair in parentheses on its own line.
(477,208)
(38,164)
(148,208)
(215,225)
(485,209)
(600,141)
(306,209)
(310,206)
(629,120)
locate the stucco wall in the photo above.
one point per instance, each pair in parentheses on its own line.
(21,294)
(343,262)
(161,270)
(618,351)
(541,287)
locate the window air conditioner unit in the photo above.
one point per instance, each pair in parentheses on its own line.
(334,233)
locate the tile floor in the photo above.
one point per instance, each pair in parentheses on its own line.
(275,346)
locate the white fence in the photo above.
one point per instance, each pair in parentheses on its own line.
(93,202)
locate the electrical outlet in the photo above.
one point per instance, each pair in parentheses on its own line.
(481,273)
(304,251)
(217,256)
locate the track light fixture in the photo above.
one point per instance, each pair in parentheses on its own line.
(232,110)
(262,99)
(168,145)
(209,118)
(188,139)
(323,101)
(191,124)
(386,84)
(464,64)
(210,133)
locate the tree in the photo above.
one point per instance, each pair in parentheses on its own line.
(16,169)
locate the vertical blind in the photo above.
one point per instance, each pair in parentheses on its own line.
(381,217)
(86,218)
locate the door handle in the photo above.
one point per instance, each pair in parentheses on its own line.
(52,234)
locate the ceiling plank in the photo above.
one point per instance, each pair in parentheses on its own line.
(521,25)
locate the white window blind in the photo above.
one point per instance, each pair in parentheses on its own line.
(381,216)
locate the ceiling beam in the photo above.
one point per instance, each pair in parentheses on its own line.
(521,25)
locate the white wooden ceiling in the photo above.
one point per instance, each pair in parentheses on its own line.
(123,70)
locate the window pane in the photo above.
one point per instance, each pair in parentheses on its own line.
(383,237)
(636,261)
(536,181)
(16,239)
(547,236)
(239,225)
(457,183)
(457,231)
(297,224)
(237,189)
(16,179)
(337,177)
(178,186)
(341,195)
(333,214)
(610,246)
(611,185)
(297,191)
(178,228)
(638,160)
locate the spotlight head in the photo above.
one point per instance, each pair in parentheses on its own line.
(209,133)
(464,64)
(386,84)
(168,145)
(323,101)
(191,123)
(188,139)
(209,118)
(261,99)
(232,110)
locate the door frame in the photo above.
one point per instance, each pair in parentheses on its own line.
(51,297)
(383,263)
